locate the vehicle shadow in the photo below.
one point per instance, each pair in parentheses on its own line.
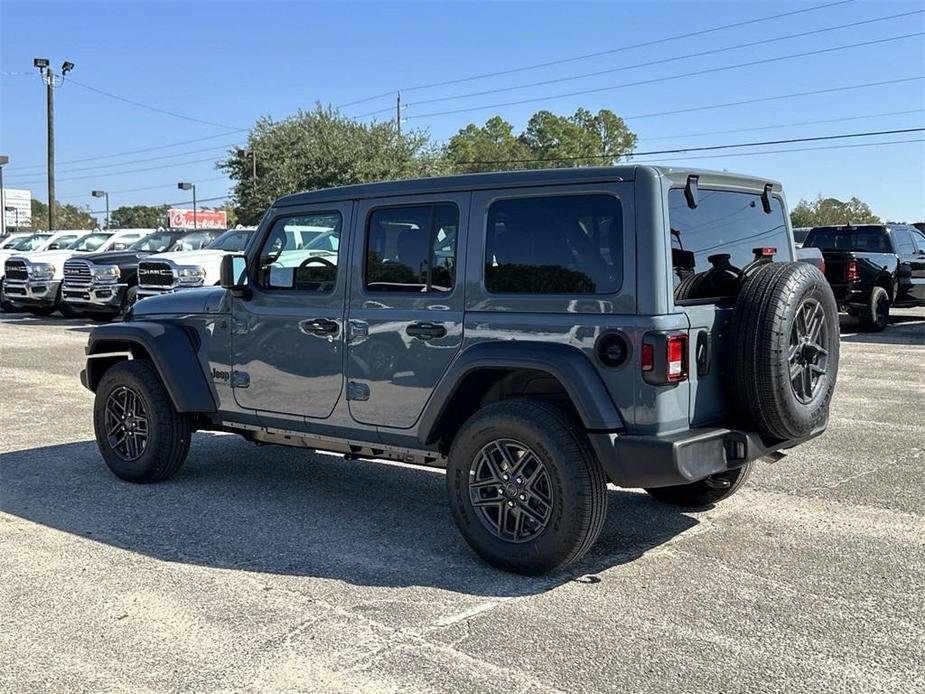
(904,329)
(285,511)
(54,320)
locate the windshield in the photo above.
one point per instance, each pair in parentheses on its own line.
(871,239)
(232,240)
(9,243)
(90,242)
(158,242)
(29,243)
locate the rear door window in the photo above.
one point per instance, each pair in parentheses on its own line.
(555,244)
(717,238)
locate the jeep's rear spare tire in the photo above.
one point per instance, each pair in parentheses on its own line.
(785,350)
(525,488)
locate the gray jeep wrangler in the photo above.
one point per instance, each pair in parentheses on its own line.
(538,334)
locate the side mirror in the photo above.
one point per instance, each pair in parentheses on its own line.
(233,274)
(54,246)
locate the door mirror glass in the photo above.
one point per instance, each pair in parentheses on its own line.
(234,272)
(281,277)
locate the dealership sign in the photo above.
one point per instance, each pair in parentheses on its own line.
(205,219)
(21,202)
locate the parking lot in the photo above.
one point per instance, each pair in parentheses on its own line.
(265,568)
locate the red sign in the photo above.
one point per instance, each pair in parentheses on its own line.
(205,219)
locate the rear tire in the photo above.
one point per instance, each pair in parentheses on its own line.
(876,315)
(705,492)
(140,434)
(525,488)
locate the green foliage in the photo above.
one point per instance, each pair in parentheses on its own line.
(139,217)
(320,149)
(826,211)
(66,216)
(549,141)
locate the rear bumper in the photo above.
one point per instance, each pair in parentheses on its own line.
(682,458)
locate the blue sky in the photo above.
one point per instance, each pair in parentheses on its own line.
(230,62)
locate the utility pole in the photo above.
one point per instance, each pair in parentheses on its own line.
(52,82)
(398,113)
(3,161)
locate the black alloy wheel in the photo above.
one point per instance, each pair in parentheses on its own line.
(126,422)
(808,354)
(510,490)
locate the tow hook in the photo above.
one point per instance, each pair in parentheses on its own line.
(719,481)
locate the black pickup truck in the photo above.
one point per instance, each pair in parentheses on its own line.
(872,267)
(102,285)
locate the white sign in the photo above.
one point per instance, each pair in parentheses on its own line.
(21,202)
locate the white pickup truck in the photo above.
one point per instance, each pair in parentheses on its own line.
(33,281)
(164,273)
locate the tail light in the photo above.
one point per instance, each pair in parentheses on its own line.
(664,357)
(851,270)
(677,358)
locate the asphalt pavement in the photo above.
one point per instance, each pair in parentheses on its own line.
(262,569)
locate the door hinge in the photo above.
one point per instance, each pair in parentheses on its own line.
(357,391)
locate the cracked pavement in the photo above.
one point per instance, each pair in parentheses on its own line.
(264,569)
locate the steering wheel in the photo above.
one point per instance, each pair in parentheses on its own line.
(316,259)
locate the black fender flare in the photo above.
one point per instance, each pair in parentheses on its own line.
(171,350)
(568,365)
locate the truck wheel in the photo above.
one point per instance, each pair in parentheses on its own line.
(876,315)
(140,434)
(131,296)
(525,488)
(41,311)
(785,350)
(705,492)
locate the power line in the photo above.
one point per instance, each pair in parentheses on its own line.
(685,150)
(785,125)
(136,161)
(795,149)
(597,54)
(151,108)
(136,151)
(173,204)
(171,184)
(706,71)
(122,173)
(651,63)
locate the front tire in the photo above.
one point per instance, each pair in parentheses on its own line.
(704,493)
(525,488)
(139,432)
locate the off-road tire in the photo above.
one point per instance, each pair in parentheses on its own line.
(876,315)
(703,494)
(759,380)
(169,432)
(576,479)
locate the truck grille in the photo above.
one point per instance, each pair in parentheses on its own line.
(155,274)
(77,273)
(16,270)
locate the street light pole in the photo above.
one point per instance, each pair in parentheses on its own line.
(3,160)
(184,185)
(103,194)
(51,83)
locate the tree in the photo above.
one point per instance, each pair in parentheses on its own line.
(826,211)
(549,140)
(320,149)
(139,217)
(66,216)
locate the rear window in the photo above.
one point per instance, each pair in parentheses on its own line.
(726,227)
(563,244)
(870,239)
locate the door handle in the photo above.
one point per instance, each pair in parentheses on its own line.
(319,326)
(425,331)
